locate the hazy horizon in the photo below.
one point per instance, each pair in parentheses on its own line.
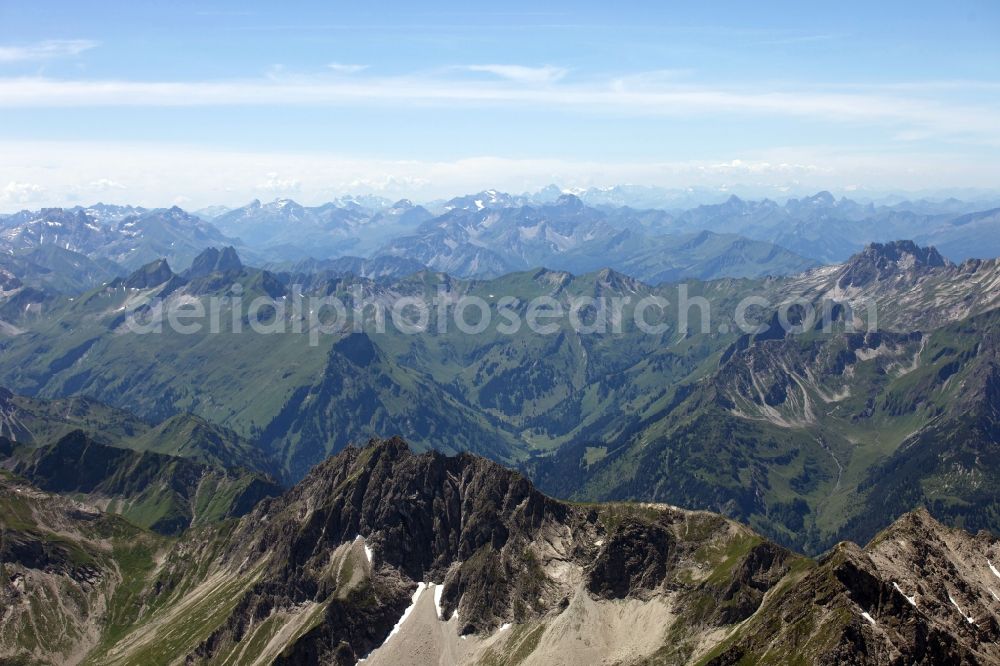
(671,198)
(198,105)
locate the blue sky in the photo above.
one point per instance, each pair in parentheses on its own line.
(198,103)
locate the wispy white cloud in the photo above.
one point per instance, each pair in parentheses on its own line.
(520,73)
(654,96)
(653,78)
(47,50)
(930,87)
(103,185)
(344,68)
(744,168)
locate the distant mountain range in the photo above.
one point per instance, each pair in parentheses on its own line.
(487,234)
(491,232)
(483,238)
(830,230)
(293,232)
(679,199)
(102,240)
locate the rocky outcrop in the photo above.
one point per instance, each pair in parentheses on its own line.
(502,553)
(213,260)
(496,550)
(919,593)
(152,274)
(880,261)
(399,558)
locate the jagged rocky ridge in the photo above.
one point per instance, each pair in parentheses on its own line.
(39,422)
(166,494)
(401,558)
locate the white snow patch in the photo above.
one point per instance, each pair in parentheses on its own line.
(413,604)
(599,543)
(368,551)
(868,617)
(968,618)
(503,627)
(912,600)
(993,569)
(438,593)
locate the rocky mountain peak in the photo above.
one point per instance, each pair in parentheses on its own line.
(229,260)
(497,551)
(569,201)
(395,447)
(823,198)
(552,278)
(212,260)
(421,512)
(284,204)
(882,260)
(615,282)
(151,275)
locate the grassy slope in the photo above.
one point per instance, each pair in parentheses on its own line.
(509,397)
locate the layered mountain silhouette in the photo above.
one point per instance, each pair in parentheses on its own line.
(489,240)
(141,522)
(491,233)
(799,435)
